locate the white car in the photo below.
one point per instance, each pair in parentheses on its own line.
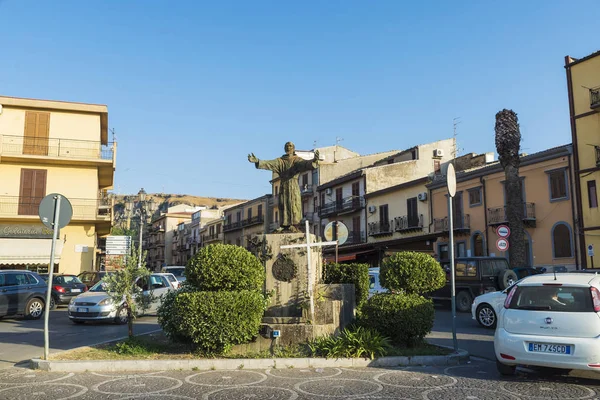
(374,285)
(96,304)
(550,320)
(485,308)
(171,278)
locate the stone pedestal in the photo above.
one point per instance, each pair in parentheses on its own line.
(287,278)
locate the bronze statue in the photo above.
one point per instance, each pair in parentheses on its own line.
(288,167)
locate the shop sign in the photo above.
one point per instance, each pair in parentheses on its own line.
(25,231)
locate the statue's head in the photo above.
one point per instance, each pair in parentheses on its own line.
(289,148)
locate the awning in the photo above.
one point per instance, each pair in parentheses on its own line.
(28,251)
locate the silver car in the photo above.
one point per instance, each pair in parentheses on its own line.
(96,304)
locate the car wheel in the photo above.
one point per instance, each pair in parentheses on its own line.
(464,301)
(486,316)
(34,309)
(121,317)
(77,321)
(506,370)
(52,303)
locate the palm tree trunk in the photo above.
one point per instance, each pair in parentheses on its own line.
(514,214)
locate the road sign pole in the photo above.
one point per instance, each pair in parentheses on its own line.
(452,273)
(50,274)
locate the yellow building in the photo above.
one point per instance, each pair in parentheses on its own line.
(479,208)
(583,84)
(54,147)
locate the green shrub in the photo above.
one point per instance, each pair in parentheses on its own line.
(358,274)
(412,272)
(360,342)
(406,318)
(225,267)
(213,321)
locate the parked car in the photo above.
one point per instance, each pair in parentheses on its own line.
(175,284)
(486,307)
(90,278)
(550,321)
(64,288)
(475,276)
(96,304)
(374,285)
(177,270)
(22,293)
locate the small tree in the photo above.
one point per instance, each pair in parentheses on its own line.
(122,288)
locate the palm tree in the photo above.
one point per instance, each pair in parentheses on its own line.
(508,140)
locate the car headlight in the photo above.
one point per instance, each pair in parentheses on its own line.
(72,301)
(105,302)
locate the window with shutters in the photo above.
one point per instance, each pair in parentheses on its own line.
(413,216)
(558,185)
(218,229)
(304,181)
(384,219)
(356,189)
(592,194)
(339,196)
(32,190)
(259,212)
(37,128)
(249,214)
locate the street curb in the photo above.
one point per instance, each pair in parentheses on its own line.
(460,357)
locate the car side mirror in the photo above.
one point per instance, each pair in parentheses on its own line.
(372,286)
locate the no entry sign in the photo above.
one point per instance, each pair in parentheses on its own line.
(503,231)
(502,244)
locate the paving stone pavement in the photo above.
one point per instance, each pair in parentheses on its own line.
(475,381)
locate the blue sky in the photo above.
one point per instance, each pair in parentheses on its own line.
(192,86)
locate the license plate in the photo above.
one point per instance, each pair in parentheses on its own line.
(76,290)
(550,348)
(82,309)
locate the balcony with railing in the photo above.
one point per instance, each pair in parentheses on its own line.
(211,237)
(380,228)
(306,190)
(232,226)
(461,224)
(73,149)
(595,98)
(349,204)
(259,219)
(498,216)
(408,223)
(83,209)
(356,237)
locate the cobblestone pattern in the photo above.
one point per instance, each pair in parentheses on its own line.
(475,381)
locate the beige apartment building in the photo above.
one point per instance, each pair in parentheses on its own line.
(479,208)
(54,147)
(245,220)
(212,232)
(359,200)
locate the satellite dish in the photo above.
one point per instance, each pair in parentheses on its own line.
(342,232)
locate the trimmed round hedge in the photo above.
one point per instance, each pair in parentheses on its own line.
(357,274)
(213,321)
(225,267)
(406,318)
(411,272)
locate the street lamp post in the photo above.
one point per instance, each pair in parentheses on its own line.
(143,210)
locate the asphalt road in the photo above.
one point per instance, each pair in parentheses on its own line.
(474,338)
(22,339)
(478,380)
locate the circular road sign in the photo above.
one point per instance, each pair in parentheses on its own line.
(502,244)
(342,232)
(503,231)
(451,180)
(46,211)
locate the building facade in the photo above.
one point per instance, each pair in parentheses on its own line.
(212,232)
(370,200)
(479,208)
(245,220)
(163,237)
(583,84)
(54,147)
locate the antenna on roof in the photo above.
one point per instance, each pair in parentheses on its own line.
(337,143)
(554,273)
(315,144)
(455,122)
